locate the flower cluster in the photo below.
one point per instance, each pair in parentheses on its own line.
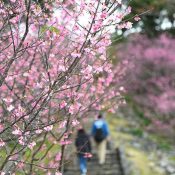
(54,67)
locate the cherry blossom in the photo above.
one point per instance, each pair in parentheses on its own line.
(62,124)
(63,104)
(31,145)
(54,68)
(75,122)
(16,132)
(66,142)
(48,128)
(1,127)
(137,18)
(150,70)
(88,155)
(2,143)
(58,157)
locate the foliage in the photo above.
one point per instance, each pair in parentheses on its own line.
(136,132)
(158,12)
(139,157)
(149,80)
(144,121)
(157,17)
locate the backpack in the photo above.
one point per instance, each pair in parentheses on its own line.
(99,135)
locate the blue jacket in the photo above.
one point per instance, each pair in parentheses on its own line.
(100,123)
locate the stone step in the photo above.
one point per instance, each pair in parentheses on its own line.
(111,166)
(94,169)
(94,158)
(107,157)
(95,164)
(111,161)
(108,172)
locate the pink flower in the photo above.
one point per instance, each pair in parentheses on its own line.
(121,88)
(26,117)
(62,124)
(137,18)
(62,68)
(27,133)
(21,141)
(75,55)
(38,131)
(48,128)
(31,145)
(8,100)
(2,143)
(128,25)
(10,108)
(111,110)
(58,157)
(66,142)
(119,16)
(63,104)
(75,122)
(128,10)
(16,132)
(26,74)
(87,155)
(1,127)
(39,85)
(119,1)
(58,173)
(103,15)
(20,165)
(71,109)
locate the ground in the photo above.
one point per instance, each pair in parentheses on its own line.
(143,161)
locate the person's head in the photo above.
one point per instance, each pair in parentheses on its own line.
(81,131)
(99,116)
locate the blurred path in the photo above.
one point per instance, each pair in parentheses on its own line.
(112,165)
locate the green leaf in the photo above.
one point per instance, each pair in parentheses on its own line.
(52,29)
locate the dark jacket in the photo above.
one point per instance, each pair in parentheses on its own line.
(82,143)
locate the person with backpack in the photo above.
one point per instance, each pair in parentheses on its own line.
(83,146)
(100,132)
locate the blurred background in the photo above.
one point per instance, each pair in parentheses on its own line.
(145,125)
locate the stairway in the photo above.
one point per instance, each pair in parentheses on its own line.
(112,165)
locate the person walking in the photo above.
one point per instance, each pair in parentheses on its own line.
(83,146)
(100,132)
